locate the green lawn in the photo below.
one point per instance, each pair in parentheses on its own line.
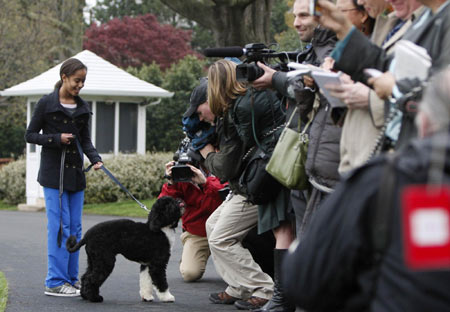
(3,292)
(128,208)
(4,206)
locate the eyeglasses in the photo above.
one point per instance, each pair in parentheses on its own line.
(346,10)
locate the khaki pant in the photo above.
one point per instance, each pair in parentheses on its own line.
(226,228)
(195,255)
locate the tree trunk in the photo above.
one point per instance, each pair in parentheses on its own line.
(233,22)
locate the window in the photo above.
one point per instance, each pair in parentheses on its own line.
(128,128)
(104,138)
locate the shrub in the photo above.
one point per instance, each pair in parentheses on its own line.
(12,182)
(142,175)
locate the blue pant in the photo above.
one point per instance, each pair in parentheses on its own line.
(62,266)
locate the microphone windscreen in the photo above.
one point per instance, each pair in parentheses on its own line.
(224,52)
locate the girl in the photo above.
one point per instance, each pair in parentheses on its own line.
(63,118)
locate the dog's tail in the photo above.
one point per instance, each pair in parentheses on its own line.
(72,245)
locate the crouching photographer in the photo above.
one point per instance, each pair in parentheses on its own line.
(201,192)
(248,123)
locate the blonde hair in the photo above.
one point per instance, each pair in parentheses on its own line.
(223,87)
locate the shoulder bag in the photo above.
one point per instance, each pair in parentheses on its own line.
(287,163)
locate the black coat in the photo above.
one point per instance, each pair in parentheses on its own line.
(323,157)
(52,118)
(333,268)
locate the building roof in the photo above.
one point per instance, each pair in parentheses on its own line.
(103,79)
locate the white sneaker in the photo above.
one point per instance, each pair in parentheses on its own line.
(77,285)
(65,290)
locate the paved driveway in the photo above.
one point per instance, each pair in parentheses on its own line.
(23,260)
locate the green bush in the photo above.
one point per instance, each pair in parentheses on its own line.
(142,175)
(12,182)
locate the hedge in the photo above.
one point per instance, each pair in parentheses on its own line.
(142,175)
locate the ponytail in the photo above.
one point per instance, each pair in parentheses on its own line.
(58,84)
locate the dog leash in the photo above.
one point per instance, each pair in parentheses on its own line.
(110,175)
(61,190)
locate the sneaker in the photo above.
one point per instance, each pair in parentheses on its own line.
(222,298)
(77,285)
(65,290)
(252,303)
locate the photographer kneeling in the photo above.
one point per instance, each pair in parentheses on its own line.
(246,120)
(201,197)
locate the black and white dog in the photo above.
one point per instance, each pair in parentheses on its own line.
(146,243)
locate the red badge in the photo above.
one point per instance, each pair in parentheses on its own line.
(426,226)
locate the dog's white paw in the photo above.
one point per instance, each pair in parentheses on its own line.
(145,286)
(165,296)
(147,299)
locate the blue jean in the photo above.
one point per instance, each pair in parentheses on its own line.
(62,266)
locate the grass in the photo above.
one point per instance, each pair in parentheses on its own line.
(3,292)
(128,208)
(4,206)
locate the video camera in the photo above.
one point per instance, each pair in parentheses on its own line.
(185,155)
(254,52)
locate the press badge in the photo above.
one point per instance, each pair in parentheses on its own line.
(426,226)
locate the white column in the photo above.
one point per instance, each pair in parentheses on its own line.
(141,125)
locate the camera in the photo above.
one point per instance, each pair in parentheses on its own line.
(254,52)
(185,155)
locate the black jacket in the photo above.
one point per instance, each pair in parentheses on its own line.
(323,151)
(226,164)
(333,268)
(51,117)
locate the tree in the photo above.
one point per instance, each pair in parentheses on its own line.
(34,35)
(233,22)
(277,18)
(134,41)
(106,10)
(164,128)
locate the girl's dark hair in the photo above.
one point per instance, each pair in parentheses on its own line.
(68,68)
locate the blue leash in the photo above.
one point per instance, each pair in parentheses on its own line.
(111,176)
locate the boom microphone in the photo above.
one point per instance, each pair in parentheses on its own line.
(224,52)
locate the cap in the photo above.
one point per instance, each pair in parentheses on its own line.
(198,97)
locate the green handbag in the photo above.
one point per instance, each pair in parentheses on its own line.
(287,163)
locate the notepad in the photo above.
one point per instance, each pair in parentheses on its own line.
(410,61)
(323,78)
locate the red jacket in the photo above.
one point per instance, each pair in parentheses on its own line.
(200,202)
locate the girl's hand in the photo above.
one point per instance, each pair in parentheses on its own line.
(98,165)
(67,138)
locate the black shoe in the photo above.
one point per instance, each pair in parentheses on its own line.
(222,298)
(250,304)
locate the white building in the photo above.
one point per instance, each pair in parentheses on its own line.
(118,101)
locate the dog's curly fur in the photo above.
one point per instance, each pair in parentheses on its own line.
(146,243)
